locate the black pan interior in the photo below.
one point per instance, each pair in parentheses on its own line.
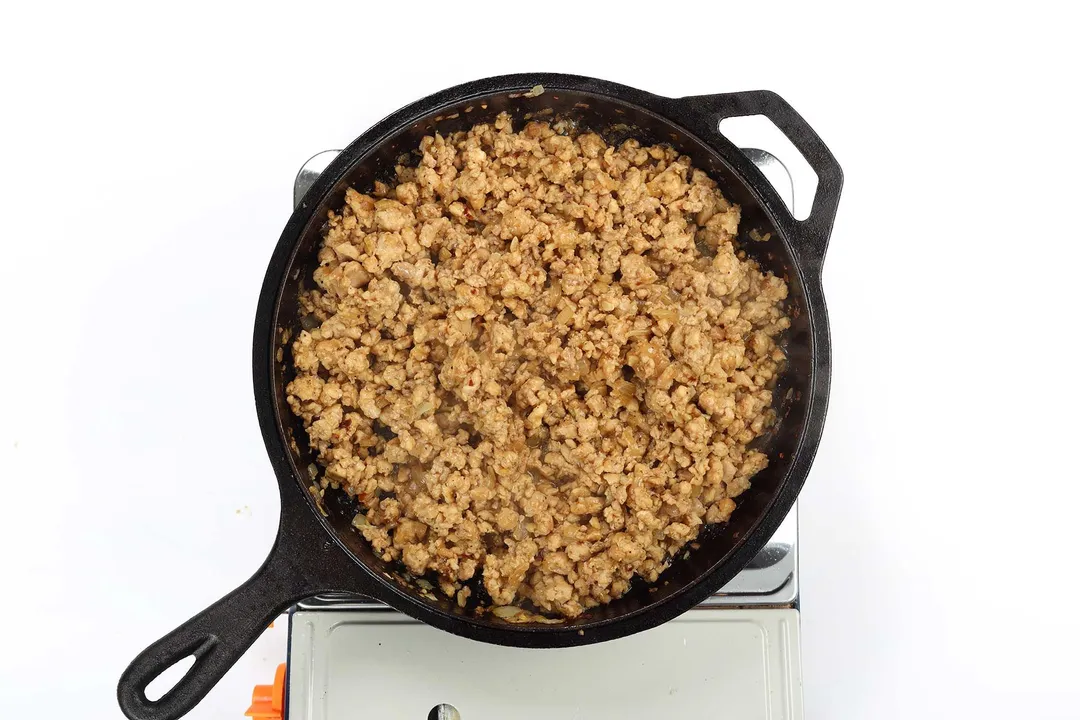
(615,121)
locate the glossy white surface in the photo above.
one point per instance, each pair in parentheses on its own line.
(706,664)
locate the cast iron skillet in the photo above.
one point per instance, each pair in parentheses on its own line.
(316,549)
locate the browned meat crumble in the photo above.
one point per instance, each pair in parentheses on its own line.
(538,357)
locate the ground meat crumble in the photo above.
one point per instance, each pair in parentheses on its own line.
(540,358)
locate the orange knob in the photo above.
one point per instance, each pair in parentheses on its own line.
(268,701)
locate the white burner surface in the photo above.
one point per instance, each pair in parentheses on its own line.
(723,663)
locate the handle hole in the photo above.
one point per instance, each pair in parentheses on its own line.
(168,678)
(758,131)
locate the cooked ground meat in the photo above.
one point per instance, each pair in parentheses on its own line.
(540,358)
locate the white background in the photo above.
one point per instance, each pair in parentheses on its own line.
(148,153)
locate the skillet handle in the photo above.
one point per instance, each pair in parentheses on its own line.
(303,562)
(813,232)
(217,637)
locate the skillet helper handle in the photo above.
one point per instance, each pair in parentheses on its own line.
(813,232)
(217,637)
